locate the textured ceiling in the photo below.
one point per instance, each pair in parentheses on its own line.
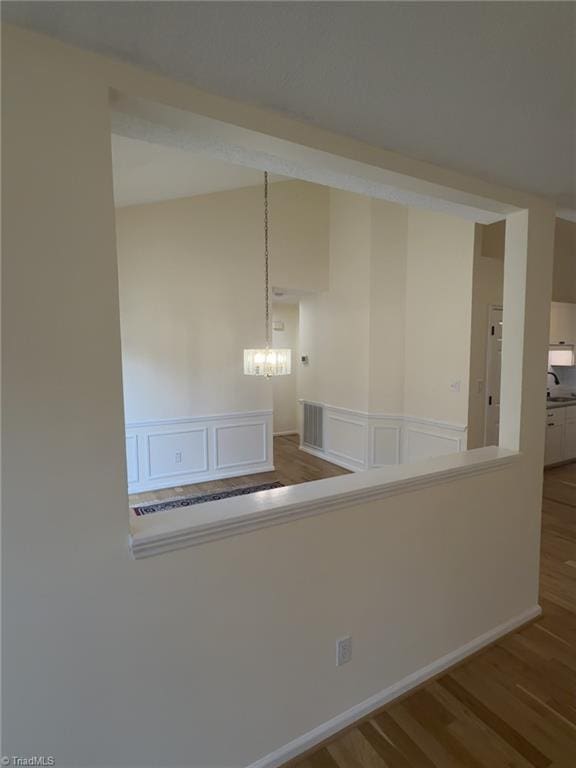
(487,88)
(146,173)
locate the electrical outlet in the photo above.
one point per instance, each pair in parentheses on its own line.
(343,650)
(178,457)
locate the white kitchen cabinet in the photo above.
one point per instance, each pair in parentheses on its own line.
(562,323)
(554,451)
(570,440)
(570,433)
(560,435)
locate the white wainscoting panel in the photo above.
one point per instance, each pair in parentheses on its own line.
(132,468)
(421,444)
(345,438)
(169,452)
(360,440)
(386,444)
(423,440)
(240,444)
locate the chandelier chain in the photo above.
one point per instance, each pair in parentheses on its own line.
(266,260)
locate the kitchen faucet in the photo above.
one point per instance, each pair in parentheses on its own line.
(556,381)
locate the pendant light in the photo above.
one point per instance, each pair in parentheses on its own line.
(267,361)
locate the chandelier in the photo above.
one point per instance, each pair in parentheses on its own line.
(267,361)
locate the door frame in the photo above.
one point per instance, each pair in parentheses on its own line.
(491,308)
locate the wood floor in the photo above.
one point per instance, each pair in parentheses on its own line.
(511,706)
(293,466)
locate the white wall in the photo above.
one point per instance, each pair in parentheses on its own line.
(388,307)
(354,332)
(285,388)
(564,274)
(334,324)
(191,300)
(438,312)
(299,231)
(191,294)
(392,333)
(191,279)
(393,330)
(116,662)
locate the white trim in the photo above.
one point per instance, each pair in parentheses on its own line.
(408,455)
(286,432)
(144,423)
(412,430)
(342,456)
(344,411)
(129,439)
(244,462)
(397,416)
(173,126)
(374,428)
(435,423)
(370,423)
(204,466)
(330,458)
(177,473)
(358,711)
(200,477)
(568,214)
(177,529)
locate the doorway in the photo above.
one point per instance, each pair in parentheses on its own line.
(493,376)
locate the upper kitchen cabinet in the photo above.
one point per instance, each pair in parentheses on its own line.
(563,323)
(564,281)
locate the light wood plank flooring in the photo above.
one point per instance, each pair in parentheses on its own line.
(511,706)
(292,465)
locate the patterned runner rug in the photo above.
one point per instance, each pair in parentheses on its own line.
(162,506)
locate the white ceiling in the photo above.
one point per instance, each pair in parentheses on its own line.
(146,173)
(487,88)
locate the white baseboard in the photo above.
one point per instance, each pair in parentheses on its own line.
(359,440)
(206,477)
(175,452)
(331,727)
(286,432)
(329,458)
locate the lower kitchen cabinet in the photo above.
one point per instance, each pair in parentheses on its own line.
(570,440)
(560,435)
(554,443)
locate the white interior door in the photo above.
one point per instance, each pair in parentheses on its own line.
(493,375)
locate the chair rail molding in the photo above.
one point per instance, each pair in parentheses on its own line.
(360,440)
(177,529)
(166,452)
